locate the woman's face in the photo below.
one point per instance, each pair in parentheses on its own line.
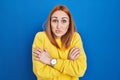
(59,23)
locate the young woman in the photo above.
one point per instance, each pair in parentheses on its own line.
(57,52)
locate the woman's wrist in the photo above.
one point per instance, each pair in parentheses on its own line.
(53,62)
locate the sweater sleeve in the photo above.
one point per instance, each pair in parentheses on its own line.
(76,67)
(42,70)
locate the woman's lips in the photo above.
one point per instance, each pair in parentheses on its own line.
(58,31)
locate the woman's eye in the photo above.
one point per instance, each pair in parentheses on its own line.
(64,21)
(54,21)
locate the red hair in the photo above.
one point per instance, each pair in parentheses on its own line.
(65,39)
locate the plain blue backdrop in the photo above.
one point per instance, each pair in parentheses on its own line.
(98,21)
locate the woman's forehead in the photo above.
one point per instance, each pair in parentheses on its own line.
(59,14)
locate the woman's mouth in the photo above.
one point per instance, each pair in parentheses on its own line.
(58,31)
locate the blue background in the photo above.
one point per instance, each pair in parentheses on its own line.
(98,21)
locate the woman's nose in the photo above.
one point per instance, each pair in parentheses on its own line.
(58,25)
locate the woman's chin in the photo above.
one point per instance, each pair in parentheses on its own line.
(58,35)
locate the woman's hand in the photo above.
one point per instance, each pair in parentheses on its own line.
(42,55)
(74,53)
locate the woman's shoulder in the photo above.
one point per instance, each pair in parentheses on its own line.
(76,34)
(76,38)
(40,34)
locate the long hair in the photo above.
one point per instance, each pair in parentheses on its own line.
(65,39)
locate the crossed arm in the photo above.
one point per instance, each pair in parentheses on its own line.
(44,56)
(75,65)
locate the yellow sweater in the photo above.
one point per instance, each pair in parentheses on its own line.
(64,69)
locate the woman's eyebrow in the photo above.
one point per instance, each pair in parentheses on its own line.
(54,17)
(64,17)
